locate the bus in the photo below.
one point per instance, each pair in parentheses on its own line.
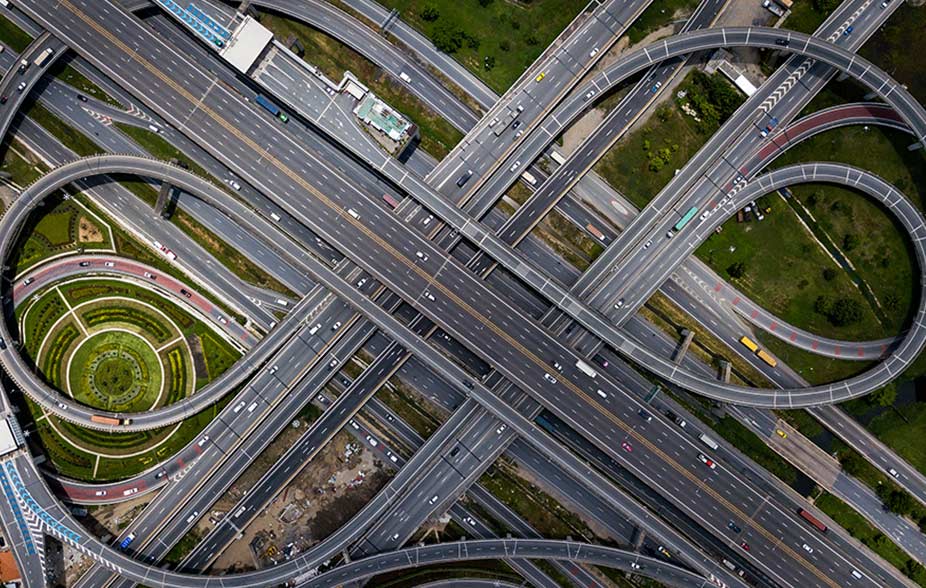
(594,231)
(104,420)
(684,220)
(749,344)
(767,358)
(391,201)
(812,520)
(43,57)
(555,156)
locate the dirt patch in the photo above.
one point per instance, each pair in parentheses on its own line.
(199,359)
(111,519)
(75,564)
(338,482)
(88,231)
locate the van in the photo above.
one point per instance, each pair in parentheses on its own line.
(275,216)
(405,77)
(353,213)
(315,329)
(203,441)
(464,178)
(856,574)
(192,517)
(282,302)
(602,393)
(238,407)
(156,129)
(252,407)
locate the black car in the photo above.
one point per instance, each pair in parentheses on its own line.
(3,99)
(185,293)
(468,384)
(84,264)
(733,527)
(782,42)
(516,124)
(81,97)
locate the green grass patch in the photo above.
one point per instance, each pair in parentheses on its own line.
(58,226)
(146,324)
(334,58)
(13,36)
(23,167)
(56,350)
(70,76)
(70,137)
(862,530)
(890,48)
(81,292)
(805,17)
(510,34)
(218,354)
(159,148)
(39,318)
(902,429)
(408,405)
(114,371)
(786,275)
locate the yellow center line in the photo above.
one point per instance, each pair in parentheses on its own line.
(399,256)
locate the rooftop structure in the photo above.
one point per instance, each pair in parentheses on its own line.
(382,117)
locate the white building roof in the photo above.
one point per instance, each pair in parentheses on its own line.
(248,41)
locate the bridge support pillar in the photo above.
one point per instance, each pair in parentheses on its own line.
(679,356)
(914,146)
(725,369)
(638,536)
(162,206)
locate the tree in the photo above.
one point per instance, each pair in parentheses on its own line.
(448,38)
(504,45)
(884,396)
(825,6)
(430,13)
(852,463)
(531,40)
(822,305)
(829,274)
(844,312)
(849,242)
(737,270)
(484,3)
(895,499)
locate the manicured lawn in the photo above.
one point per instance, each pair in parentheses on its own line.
(115,371)
(437,135)
(862,530)
(904,433)
(784,271)
(39,317)
(512,34)
(13,36)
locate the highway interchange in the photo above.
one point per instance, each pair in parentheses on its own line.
(407,267)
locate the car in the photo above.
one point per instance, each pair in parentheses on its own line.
(619,304)
(635,566)
(100,493)
(62,406)
(469,521)
(501,429)
(28,281)
(745,546)
(84,264)
(203,441)
(589,95)
(373,442)
(396,536)
(354,424)
(515,125)
(782,42)
(763,133)
(663,551)
(549,378)
(361,282)
(707,461)
(733,527)
(2,344)
(21,86)
(392,457)
(626,446)
(238,407)
(464,178)
(81,97)
(781,433)
(336,326)
(428,220)
(894,473)
(109,264)
(593,52)
(186,292)
(645,415)
(223,320)
(540,76)
(557,365)
(433,499)
(150,276)
(429,296)
(160,475)
(848,31)
(421,256)
(234,184)
(884,4)
(3,99)
(807,548)
(468,384)
(647,244)
(656,87)
(515,166)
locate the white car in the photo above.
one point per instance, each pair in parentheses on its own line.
(514,166)
(109,264)
(501,429)
(807,548)
(361,282)
(421,256)
(373,442)
(549,378)
(620,304)
(470,521)
(336,326)
(234,184)
(433,499)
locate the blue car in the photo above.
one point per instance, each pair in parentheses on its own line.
(847,32)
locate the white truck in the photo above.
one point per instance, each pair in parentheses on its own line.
(586,369)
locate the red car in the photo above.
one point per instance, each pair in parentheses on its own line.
(745,546)
(707,461)
(626,446)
